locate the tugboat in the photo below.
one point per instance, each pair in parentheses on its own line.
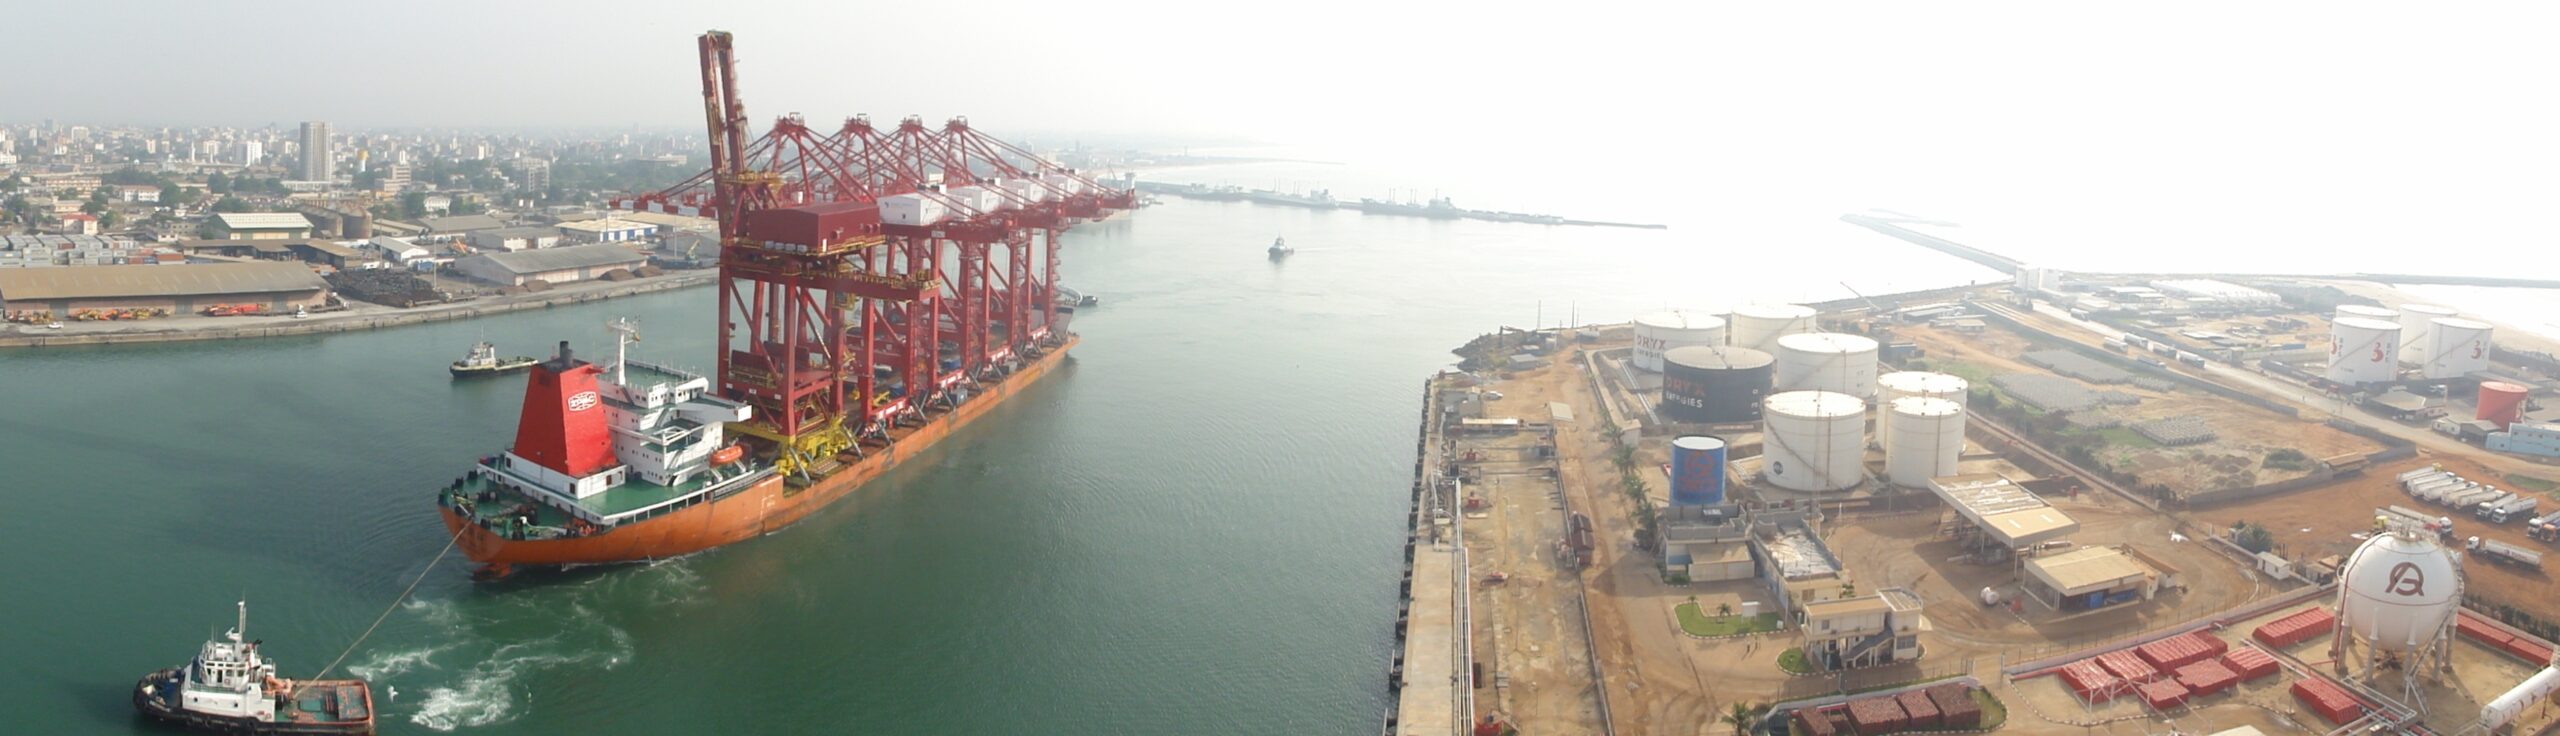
(484,361)
(1280,248)
(229,688)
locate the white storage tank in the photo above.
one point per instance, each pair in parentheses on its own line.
(1928,440)
(1900,384)
(1661,332)
(2361,350)
(1758,326)
(1812,440)
(2455,347)
(1827,361)
(2417,330)
(2398,592)
(2385,314)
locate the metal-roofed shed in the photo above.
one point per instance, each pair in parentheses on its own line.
(179,288)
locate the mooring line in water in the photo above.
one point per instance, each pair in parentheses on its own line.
(395,604)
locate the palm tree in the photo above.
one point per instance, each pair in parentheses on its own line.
(1724,610)
(1743,716)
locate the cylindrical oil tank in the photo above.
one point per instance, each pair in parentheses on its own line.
(2385,314)
(1660,332)
(2398,592)
(1758,326)
(1899,384)
(2417,330)
(2456,347)
(1827,361)
(1928,441)
(1713,385)
(1697,470)
(2363,350)
(1812,440)
(2501,402)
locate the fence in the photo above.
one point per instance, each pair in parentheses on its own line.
(1852,682)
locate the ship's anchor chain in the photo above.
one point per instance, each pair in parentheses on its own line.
(395,605)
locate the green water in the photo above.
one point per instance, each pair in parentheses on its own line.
(1193,527)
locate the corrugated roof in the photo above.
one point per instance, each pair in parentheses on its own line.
(605,225)
(669,219)
(2085,567)
(561,259)
(462,223)
(264,220)
(98,282)
(519,232)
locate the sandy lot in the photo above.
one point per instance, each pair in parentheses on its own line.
(1528,630)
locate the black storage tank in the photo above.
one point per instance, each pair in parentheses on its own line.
(1704,384)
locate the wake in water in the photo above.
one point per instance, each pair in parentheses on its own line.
(472,673)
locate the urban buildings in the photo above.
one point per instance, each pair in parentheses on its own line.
(315,152)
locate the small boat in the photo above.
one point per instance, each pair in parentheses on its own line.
(230,688)
(1070,298)
(1280,248)
(484,361)
(53,325)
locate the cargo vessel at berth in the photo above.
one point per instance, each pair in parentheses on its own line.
(630,463)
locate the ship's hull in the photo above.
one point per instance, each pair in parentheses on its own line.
(767,506)
(513,366)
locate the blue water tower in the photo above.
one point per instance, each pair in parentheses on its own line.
(1697,470)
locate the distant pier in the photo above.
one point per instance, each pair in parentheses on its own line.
(1436,209)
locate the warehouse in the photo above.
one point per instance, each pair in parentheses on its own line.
(2089,578)
(515,238)
(551,265)
(1999,514)
(178,288)
(262,225)
(608,230)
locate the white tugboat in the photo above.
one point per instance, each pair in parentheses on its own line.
(484,361)
(1280,248)
(230,688)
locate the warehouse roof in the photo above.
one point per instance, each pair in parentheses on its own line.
(2087,567)
(670,219)
(520,232)
(461,223)
(525,262)
(100,282)
(605,225)
(264,221)
(2002,509)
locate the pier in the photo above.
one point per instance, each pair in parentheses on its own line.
(1436,209)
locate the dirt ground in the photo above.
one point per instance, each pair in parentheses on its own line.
(2234,459)
(2314,522)
(1528,632)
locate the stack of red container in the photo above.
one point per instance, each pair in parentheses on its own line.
(1875,716)
(1956,706)
(2162,695)
(2294,629)
(1813,722)
(2181,650)
(2124,664)
(2207,677)
(1921,713)
(2493,636)
(2091,682)
(2329,700)
(2250,664)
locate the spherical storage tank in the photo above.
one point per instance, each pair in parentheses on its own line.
(2417,327)
(1827,361)
(2398,591)
(2456,347)
(1929,439)
(1758,326)
(2363,350)
(1660,332)
(1899,384)
(1812,440)
(1697,470)
(2501,402)
(1713,385)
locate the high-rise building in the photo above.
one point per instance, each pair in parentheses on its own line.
(251,151)
(395,178)
(315,151)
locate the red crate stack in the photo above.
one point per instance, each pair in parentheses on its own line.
(2207,677)
(1920,712)
(2091,681)
(1956,706)
(1876,716)
(2171,653)
(2291,630)
(1813,722)
(2126,665)
(2250,664)
(2329,700)
(2475,629)
(2162,695)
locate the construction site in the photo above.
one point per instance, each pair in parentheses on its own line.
(1872,516)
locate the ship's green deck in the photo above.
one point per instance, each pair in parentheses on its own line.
(633,495)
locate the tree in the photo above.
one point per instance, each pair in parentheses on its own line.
(218,183)
(1724,610)
(170,192)
(413,205)
(13,183)
(1743,716)
(109,220)
(231,203)
(93,207)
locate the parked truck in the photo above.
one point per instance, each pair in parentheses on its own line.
(2519,507)
(2387,517)
(2411,483)
(2504,553)
(2544,528)
(2481,508)
(2421,473)
(2465,500)
(2191,359)
(2430,490)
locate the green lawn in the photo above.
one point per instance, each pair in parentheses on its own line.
(1702,623)
(1792,660)
(1993,713)
(2531,483)
(2125,437)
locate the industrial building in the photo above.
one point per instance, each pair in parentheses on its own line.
(669,223)
(460,224)
(1864,631)
(2528,438)
(515,238)
(608,230)
(550,265)
(179,288)
(398,250)
(2219,293)
(2089,578)
(261,225)
(1995,513)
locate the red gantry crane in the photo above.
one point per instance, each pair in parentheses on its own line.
(871,277)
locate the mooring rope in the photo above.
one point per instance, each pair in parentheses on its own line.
(395,605)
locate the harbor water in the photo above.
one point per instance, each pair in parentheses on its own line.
(1191,528)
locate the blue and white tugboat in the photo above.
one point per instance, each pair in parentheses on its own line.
(230,688)
(1280,248)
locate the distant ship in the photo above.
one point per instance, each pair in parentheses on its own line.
(1280,248)
(484,361)
(230,688)
(1438,209)
(1319,199)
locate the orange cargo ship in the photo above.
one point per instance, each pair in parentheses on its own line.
(631,465)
